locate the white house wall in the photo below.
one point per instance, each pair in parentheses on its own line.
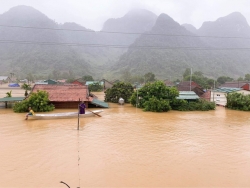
(220,97)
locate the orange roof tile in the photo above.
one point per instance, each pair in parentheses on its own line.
(63,93)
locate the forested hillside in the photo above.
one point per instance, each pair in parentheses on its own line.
(138,43)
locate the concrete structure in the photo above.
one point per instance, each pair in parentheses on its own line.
(219,96)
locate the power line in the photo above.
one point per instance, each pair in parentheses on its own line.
(125,33)
(115,46)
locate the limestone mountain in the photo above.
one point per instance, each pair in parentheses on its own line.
(179,49)
(234,26)
(190,28)
(63,47)
(20,52)
(135,21)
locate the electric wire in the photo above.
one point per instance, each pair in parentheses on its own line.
(115,46)
(124,33)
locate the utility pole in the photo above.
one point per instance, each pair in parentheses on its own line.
(190,78)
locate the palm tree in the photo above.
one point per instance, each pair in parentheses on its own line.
(26,87)
(8,94)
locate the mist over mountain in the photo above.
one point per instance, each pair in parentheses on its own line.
(144,43)
(177,54)
(190,28)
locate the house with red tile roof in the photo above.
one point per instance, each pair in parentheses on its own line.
(68,95)
(190,86)
(237,84)
(79,81)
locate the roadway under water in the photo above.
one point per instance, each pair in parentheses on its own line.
(127,147)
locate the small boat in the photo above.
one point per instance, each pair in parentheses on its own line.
(65,115)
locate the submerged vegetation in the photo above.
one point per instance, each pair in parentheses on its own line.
(157,97)
(238,101)
(38,101)
(120,89)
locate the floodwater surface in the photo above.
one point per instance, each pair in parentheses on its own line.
(127,147)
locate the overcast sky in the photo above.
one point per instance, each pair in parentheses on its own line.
(93,13)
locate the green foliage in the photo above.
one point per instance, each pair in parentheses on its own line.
(120,89)
(157,105)
(95,87)
(199,105)
(88,78)
(240,79)
(201,80)
(157,97)
(156,94)
(8,94)
(149,77)
(38,101)
(187,73)
(223,79)
(247,77)
(26,87)
(238,101)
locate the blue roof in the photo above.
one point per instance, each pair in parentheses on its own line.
(227,89)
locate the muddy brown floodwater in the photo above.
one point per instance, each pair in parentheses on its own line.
(127,147)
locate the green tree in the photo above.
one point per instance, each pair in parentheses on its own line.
(39,102)
(156,97)
(247,77)
(187,73)
(126,76)
(95,87)
(149,77)
(88,78)
(238,101)
(240,79)
(120,89)
(8,94)
(223,79)
(26,87)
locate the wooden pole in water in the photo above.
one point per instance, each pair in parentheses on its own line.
(78,115)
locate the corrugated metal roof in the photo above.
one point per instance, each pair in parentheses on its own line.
(100,103)
(187,95)
(11,99)
(227,89)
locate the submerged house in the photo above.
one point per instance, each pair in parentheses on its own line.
(237,84)
(68,96)
(4,79)
(188,95)
(79,81)
(219,96)
(190,86)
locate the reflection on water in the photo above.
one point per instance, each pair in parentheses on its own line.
(127,148)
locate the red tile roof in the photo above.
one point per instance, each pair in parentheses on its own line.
(185,86)
(63,93)
(234,84)
(206,95)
